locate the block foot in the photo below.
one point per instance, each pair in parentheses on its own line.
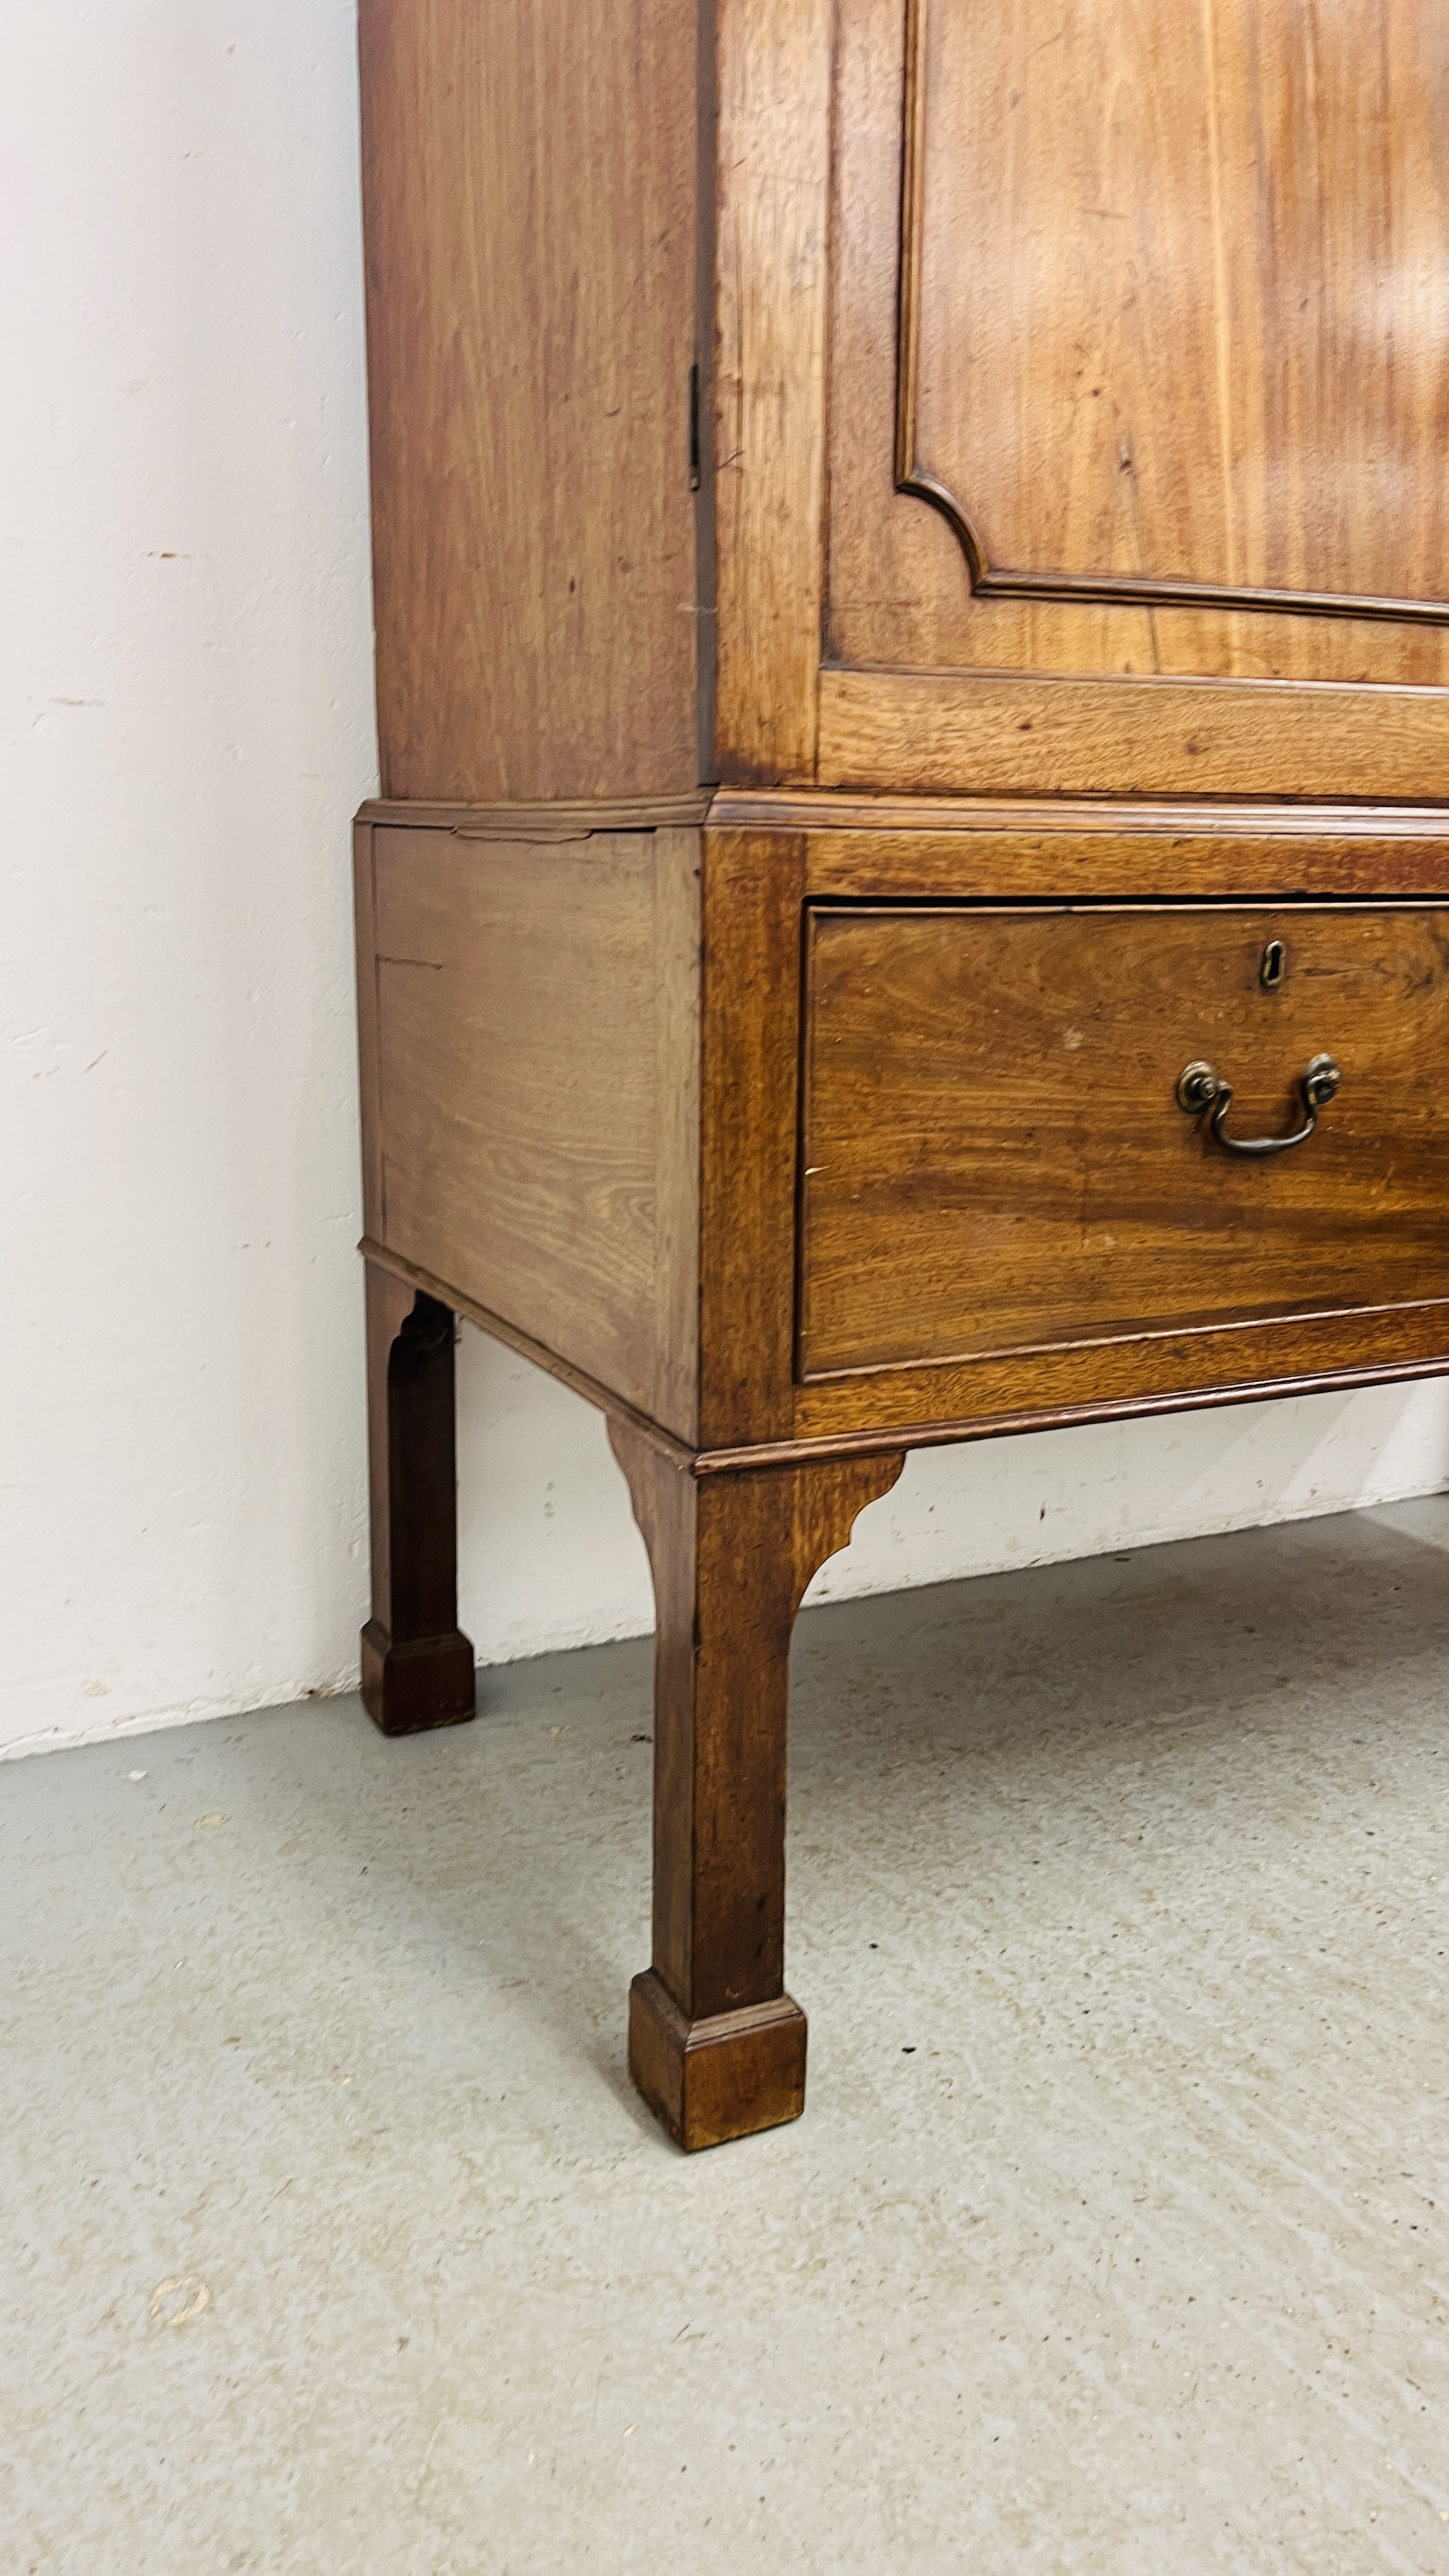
(428,1681)
(720,2078)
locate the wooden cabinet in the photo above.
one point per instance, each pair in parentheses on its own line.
(912,581)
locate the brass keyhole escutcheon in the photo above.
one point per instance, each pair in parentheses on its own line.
(1273,965)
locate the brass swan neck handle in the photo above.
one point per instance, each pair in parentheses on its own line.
(1199,1089)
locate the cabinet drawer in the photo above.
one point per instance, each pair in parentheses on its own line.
(994,1156)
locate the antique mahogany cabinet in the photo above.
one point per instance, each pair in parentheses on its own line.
(910,895)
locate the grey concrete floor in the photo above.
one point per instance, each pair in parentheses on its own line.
(1113,2237)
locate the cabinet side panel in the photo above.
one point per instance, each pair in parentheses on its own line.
(529,208)
(537,1070)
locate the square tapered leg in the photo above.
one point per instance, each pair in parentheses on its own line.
(716,2045)
(417,1666)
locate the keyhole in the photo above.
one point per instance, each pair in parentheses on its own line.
(1275,958)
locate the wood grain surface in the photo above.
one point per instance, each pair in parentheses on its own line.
(994,1160)
(773,183)
(1111,1381)
(530,210)
(731,1559)
(537,1052)
(1174,286)
(939,732)
(1220,382)
(748,1136)
(1287,852)
(1234,362)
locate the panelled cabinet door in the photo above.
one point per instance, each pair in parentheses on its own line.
(1135,399)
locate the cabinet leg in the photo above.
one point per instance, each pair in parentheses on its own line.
(716,2045)
(417,1668)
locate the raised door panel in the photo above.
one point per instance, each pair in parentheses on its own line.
(1177,317)
(1140,360)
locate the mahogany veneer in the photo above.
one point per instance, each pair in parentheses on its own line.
(912,606)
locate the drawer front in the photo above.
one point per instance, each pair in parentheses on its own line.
(994,1159)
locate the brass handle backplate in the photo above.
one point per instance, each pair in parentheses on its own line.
(1199,1089)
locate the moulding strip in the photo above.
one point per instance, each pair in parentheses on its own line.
(561,820)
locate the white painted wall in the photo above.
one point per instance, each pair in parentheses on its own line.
(188,725)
